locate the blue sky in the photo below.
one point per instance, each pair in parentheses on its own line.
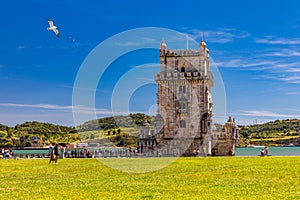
(255,44)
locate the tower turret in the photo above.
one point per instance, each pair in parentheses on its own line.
(202,46)
(163,47)
(204,57)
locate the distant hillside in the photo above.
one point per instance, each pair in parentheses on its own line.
(36,134)
(279,132)
(110,123)
(123,131)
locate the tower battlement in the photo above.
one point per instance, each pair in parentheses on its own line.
(180,52)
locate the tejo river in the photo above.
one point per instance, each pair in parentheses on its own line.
(274,151)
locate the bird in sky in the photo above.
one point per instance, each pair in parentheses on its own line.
(52,27)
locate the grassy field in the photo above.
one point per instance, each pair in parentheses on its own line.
(185,178)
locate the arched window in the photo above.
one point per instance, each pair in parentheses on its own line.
(182,69)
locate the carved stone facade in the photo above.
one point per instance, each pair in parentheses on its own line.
(183,123)
(226,141)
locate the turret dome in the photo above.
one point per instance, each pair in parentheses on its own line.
(163,45)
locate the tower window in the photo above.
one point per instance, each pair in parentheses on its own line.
(182,123)
(182,89)
(182,69)
(183,105)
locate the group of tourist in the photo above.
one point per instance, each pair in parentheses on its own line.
(264,152)
(196,152)
(122,152)
(68,153)
(6,153)
(82,153)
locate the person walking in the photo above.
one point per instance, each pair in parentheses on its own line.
(56,150)
(56,153)
(51,151)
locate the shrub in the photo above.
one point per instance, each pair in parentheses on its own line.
(8,144)
(28,144)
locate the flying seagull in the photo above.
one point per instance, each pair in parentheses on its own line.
(52,27)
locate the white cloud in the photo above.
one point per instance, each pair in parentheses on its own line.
(52,113)
(295,79)
(281,53)
(293,70)
(264,113)
(79,109)
(293,93)
(247,117)
(283,70)
(279,41)
(45,106)
(22,47)
(244,63)
(275,69)
(221,35)
(126,44)
(138,42)
(11,119)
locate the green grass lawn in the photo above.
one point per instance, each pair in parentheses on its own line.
(185,178)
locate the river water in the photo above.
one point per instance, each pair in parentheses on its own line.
(274,151)
(242,151)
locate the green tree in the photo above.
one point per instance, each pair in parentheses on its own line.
(8,144)
(28,144)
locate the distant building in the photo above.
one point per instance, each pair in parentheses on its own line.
(183,124)
(81,145)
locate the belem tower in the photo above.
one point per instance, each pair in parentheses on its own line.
(184,125)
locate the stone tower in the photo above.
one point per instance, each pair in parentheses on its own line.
(226,141)
(183,124)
